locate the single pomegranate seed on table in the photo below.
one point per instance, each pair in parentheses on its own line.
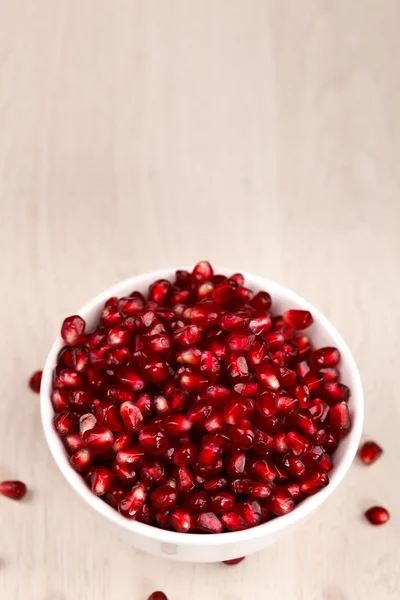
(15,490)
(377,515)
(369,452)
(157,596)
(35,381)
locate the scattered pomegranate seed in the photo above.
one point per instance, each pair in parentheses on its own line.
(196,408)
(233,561)
(377,515)
(35,381)
(157,596)
(369,452)
(13,489)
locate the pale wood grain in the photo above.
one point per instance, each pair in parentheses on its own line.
(134,135)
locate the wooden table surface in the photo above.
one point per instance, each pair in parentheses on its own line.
(262,135)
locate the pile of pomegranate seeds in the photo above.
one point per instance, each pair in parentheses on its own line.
(15,490)
(35,381)
(197,408)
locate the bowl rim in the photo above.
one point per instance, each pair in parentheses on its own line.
(301,510)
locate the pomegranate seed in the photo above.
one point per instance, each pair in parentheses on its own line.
(303,421)
(263,470)
(295,491)
(240,342)
(35,381)
(330,374)
(66,423)
(261,301)
(81,399)
(313,381)
(251,512)
(99,439)
(334,392)
(266,404)
(72,330)
(126,474)
(176,424)
(15,490)
(314,482)
(131,416)
(298,444)
(82,459)
(274,340)
(319,410)
(192,382)
(153,472)
(210,365)
(164,497)
(242,434)
(281,501)
(191,356)
(294,465)
(237,409)
(325,357)
(233,561)
(238,277)
(235,464)
(73,442)
(237,368)
(115,495)
(187,336)
(197,501)
(238,487)
(181,519)
(280,443)
(224,291)
(298,319)
(257,490)
(286,404)
(218,393)
(369,452)
(339,417)
(235,321)
(234,521)
(131,455)
(70,379)
(87,422)
(133,502)
(96,379)
(260,322)
(153,440)
(263,442)
(157,596)
(203,271)
(186,481)
(131,305)
(222,503)
(60,400)
(204,290)
(101,480)
(208,522)
(266,375)
(160,344)
(159,291)
(377,515)
(249,388)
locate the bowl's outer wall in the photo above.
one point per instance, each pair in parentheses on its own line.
(211,548)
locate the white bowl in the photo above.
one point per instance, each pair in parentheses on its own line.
(225,546)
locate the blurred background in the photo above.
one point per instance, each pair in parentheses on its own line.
(263,136)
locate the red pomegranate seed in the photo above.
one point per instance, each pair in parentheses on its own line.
(153,440)
(99,439)
(251,512)
(73,329)
(181,519)
(131,455)
(263,470)
(377,515)
(334,392)
(313,381)
(202,271)
(325,357)
(210,365)
(224,291)
(191,382)
(330,374)
(303,421)
(15,490)
(286,404)
(208,522)
(233,561)
(66,423)
(319,410)
(176,424)
(82,459)
(73,442)
(159,291)
(235,321)
(191,356)
(157,596)
(294,465)
(234,521)
(237,368)
(237,409)
(126,474)
(314,482)
(240,342)
(35,381)
(115,495)
(154,472)
(96,379)
(281,501)
(280,443)
(70,379)
(235,464)
(369,452)
(249,388)
(263,442)
(266,375)
(260,322)
(131,416)
(298,319)
(339,417)
(131,305)
(294,490)
(274,340)
(185,454)
(101,480)
(261,301)
(298,444)
(131,379)
(60,400)
(197,501)
(187,336)
(266,404)
(87,422)
(242,434)
(222,503)
(133,502)
(258,490)
(81,399)
(238,277)
(164,497)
